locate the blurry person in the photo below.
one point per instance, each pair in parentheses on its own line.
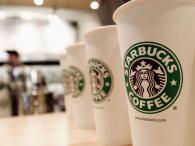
(13,61)
(16,83)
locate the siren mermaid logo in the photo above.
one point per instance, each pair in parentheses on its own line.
(147,80)
(77,82)
(153,77)
(101,80)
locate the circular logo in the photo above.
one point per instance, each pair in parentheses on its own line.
(66,81)
(153,77)
(101,80)
(77,82)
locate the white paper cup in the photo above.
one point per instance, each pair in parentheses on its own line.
(82,100)
(157,48)
(111,114)
(64,63)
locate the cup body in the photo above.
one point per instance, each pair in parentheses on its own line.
(157,48)
(64,63)
(110,107)
(80,88)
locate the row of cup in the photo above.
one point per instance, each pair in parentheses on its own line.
(96,65)
(150,52)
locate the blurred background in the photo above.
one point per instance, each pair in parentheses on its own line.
(33,36)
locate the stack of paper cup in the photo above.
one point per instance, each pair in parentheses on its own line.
(80,88)
(158,48)
(66,80)
(111,114)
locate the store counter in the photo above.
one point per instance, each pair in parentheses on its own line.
(44,130)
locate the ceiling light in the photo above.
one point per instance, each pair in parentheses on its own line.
(94,5)
(38,2)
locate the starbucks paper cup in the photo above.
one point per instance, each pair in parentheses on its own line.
(80,88)
(111,114)
(157,47)
(66,80)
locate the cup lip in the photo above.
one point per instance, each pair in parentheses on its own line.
(72,47)
(131,4)
(125,6)
(98,29)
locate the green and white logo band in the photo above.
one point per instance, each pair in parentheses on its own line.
(66,81)
(101,80)
(77,81)
(153,77)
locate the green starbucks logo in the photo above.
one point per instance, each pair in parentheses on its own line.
(101,80)
(153,77)
(77,81)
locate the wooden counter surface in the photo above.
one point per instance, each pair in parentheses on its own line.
(44,130)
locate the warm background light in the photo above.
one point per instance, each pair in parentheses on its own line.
(94,5)
(38,2)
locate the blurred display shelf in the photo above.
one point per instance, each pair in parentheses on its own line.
(44,130)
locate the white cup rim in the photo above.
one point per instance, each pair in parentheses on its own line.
(98,29)
(125,6)
(135,3)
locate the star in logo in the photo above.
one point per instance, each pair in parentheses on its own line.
(107,84)
(143,63)
(173,83)
(143,66)
(127,84)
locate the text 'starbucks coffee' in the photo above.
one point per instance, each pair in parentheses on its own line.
(77,81)
(101,80)
(153,77)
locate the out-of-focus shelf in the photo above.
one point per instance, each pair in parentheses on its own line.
(45,130)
